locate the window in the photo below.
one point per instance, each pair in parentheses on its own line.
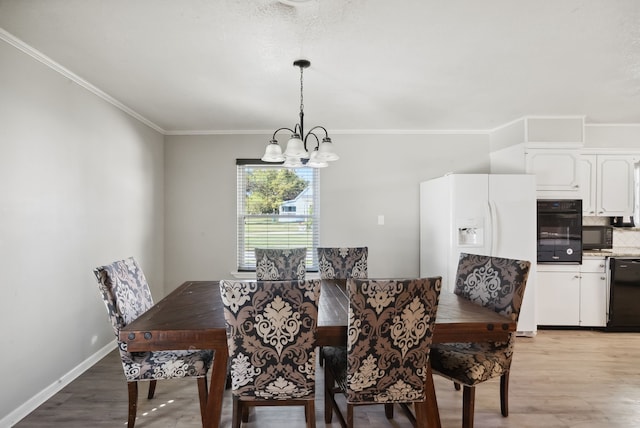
(277,208)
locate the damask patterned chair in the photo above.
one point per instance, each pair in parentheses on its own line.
(271,335)
(495,283)
(343,262)
(126,296)
(389,334)
(280,264)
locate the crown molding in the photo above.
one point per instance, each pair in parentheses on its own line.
(342,132)
(39,56)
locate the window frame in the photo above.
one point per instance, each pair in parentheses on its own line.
(245,259)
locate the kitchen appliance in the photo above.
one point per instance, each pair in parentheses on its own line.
(597,237)
(559,230)
(624,294)
(620,222)
(489,214)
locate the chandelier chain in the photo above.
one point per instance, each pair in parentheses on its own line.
(301,91)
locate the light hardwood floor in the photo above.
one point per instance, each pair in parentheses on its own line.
(559,379)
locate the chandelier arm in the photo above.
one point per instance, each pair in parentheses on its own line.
(317,140)
(326,134)
(280,129)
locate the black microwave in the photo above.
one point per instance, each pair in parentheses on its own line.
(597,237)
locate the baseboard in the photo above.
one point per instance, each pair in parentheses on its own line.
(30,405)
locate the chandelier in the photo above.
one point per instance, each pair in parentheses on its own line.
(297,154)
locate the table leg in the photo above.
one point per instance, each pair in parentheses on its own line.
(433,415)
(216,389)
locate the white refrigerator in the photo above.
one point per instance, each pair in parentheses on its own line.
(488,214)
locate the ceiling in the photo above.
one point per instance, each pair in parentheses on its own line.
(198,66)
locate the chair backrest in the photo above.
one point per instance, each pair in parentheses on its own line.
(493,282)
(271,332)
(125,292)
(343,263)
(389,337)
(280,264)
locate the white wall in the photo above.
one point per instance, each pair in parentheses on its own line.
(81,184)
(200,195)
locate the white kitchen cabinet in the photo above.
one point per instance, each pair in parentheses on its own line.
(606,183)
(557,172)
(558,295)
(593,293)
(588,173)
(614,191)
(572,295)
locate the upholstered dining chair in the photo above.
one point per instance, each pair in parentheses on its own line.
(342,262)
(280,264)
(389,334)
(126,295)
(271,332)
(499,284)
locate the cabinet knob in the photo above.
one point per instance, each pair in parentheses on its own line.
(603,278)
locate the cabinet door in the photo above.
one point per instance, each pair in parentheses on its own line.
(593,299)
(614,193)
(593,293)
(558,298)
(556,171)
(587,170)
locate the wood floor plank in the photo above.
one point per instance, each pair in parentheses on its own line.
(559,379)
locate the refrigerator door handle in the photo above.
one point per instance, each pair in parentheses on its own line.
(493,223)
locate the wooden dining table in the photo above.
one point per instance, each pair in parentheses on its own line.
(191,317)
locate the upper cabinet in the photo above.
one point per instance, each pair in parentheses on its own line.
(572,160)
(553,154)
(588,172)
(557,171)
(607,184)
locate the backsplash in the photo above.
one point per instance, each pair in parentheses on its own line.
(623,237)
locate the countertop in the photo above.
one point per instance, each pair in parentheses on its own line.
(615,252)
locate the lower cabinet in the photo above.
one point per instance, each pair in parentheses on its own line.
(593,293)
(572,295)
(558,295)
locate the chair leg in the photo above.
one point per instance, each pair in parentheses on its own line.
(350,415)
(388,410)
(133,403)
(328,397)
(152,389)
(468,404)
(203,394)
(504,394)
(310,413)
(237,412)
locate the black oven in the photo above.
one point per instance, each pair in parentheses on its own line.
(559,231)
